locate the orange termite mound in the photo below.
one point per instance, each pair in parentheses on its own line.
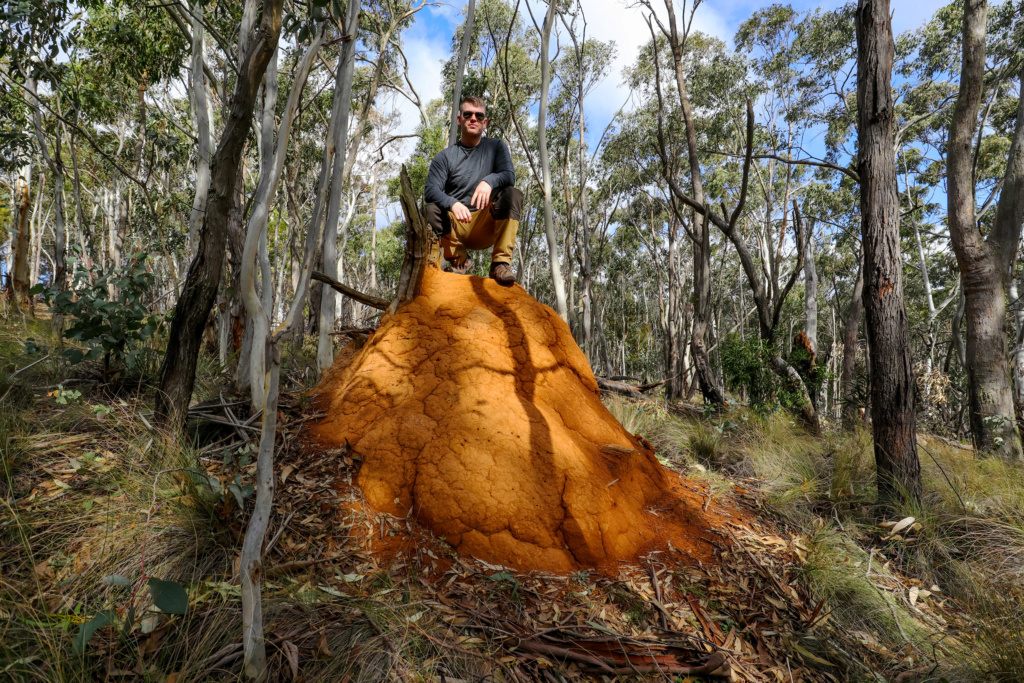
(473,406)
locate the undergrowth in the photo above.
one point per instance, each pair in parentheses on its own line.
(93,503)
(964,550)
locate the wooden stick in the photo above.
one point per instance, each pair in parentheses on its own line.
(367,299)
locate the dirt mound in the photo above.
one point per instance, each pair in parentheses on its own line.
(474,411)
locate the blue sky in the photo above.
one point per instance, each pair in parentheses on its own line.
(428,41)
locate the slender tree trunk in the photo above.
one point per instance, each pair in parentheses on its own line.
(56,166)
(178,371)
(893,406)
(711,389)
(557,282)
(467,38)
(273,150)
(204,115)
(810,290)
(343,97)
(19,278)
(982,266)
(849,372)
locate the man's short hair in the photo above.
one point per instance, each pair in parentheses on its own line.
(474,100)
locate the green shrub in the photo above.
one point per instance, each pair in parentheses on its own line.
(108,314)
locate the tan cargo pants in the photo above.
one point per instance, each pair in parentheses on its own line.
(493,227)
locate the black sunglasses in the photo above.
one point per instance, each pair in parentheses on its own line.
(478,115)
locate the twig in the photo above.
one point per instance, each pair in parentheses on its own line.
(15,373)
(544,648)
(273,541)
(657,593)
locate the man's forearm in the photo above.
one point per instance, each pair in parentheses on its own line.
(443,200)
(500,179)
(434,192)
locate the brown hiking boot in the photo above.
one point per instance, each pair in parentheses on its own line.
(502,274)
(466,266)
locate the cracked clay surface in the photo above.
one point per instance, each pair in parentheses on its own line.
(473,407)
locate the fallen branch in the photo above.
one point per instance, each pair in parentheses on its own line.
(629,389)
(544,648)
(366,299)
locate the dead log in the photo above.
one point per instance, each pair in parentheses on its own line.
(628,389)
(367,299)
(420,244)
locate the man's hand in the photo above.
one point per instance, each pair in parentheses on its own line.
(461,213)
(481,196)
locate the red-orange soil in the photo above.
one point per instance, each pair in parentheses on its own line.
(473,407)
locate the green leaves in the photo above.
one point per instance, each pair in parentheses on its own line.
(107,312)
(116,580)
(86,630)
(169,596)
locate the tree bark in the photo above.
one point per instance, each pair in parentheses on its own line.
(343,102)
(204,115)
(851,414)
(178,371)
(19,279)
(810,290)
(467,36)
(983,263)
(557,283)
(893,406)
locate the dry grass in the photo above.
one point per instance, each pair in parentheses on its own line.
(88,492)
(970,543)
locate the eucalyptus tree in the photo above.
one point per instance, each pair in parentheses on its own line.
(460,70)
(55,163)
(985,261)
(893,405)
(699,230)
(257,43)
(384,20)
(578,74)
(255,536)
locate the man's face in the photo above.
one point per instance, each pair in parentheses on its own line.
(472,119)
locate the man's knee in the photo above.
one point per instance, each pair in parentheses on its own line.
(508,204)
(437,219)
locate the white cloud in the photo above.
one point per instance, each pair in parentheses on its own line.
(428,41)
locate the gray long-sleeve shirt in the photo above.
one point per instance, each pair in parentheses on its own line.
(456,171)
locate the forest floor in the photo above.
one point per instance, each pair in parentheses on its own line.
(820,585)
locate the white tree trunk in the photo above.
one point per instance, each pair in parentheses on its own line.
(467,35)
(558,284)
(203,111)
(810,290)
(346,69)
(253,645)
(272,156)
(57,169)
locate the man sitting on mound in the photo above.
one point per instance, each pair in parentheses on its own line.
(475,172)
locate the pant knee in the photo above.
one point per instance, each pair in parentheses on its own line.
(508,204)
(437,219)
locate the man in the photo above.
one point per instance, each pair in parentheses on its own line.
(471,199)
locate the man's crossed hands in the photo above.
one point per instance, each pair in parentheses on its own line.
(481,198)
